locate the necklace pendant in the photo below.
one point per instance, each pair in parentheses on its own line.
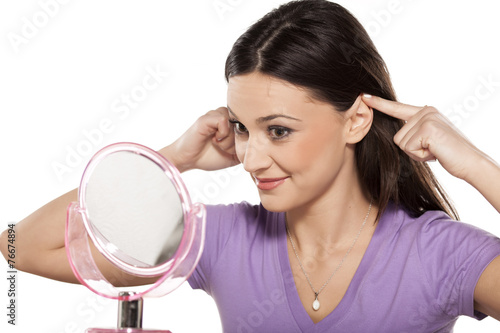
(316,304)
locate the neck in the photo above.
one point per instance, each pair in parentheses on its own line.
(334,219)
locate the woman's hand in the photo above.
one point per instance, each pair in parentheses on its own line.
(428,135)
(207,145)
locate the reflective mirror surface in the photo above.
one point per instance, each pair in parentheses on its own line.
(134,209)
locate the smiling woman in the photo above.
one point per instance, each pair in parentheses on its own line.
(353,233)
(323,152)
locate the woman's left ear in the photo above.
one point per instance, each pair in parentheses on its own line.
(359,120)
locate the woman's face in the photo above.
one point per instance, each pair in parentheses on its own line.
(293,146)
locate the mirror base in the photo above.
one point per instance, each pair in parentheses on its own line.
(123,330)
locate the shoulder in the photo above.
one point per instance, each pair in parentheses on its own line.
(438,240)
(232,230)
(243,221)
(431,226)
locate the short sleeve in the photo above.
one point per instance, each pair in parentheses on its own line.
(454,255)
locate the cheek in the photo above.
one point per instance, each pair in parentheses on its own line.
(320,147)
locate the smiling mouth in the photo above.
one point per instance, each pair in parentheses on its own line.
(269,183)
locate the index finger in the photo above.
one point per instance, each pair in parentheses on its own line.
(391,108)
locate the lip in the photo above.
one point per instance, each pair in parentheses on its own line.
(269,183)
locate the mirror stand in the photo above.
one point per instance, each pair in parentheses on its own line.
(129,317)
(129,312)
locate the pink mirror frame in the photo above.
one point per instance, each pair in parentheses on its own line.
(171,274)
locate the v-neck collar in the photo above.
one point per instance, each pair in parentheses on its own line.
(300,314)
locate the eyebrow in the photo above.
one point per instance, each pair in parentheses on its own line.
(267,118)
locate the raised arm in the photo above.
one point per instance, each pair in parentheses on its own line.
(40,246)
(207,145)
(429,135)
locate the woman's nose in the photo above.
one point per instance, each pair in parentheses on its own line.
(255,155)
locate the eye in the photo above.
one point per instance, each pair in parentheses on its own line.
(279,132)
(239,128)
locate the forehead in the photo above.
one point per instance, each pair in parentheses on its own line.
(260,94)
(263,85)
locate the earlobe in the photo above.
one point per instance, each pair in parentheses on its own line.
(360,121)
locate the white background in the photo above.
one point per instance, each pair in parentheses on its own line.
(68,75)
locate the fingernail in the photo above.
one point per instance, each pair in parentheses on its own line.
(367,95)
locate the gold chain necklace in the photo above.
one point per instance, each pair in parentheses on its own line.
(316,303)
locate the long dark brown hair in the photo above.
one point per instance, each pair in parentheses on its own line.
(320,46)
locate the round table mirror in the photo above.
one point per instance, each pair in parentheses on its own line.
(135,209)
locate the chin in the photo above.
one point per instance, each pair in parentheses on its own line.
(275,205)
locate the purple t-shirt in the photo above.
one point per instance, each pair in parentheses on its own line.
(417,274)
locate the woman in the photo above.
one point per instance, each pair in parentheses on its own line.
(354,234)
